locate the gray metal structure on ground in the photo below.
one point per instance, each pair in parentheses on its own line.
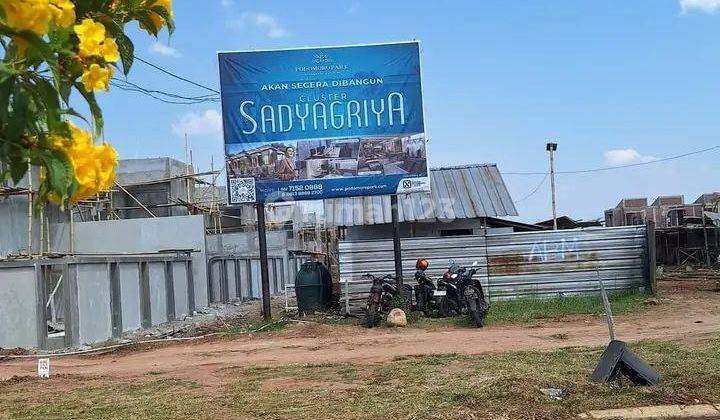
(513,265)
(460,192)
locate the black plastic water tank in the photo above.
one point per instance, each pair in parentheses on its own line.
(313,287)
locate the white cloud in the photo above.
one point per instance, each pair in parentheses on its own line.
(352,9)
(227,3)
(625,157)
(165,50)
(198,123)
(707,6)
(264,22)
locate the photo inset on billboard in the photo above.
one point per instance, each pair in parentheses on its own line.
(395,155)
(328,158)
(274,161)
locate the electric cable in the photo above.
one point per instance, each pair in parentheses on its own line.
(169,73)
(610,168)
(534,190)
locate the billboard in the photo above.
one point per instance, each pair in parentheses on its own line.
(314,123)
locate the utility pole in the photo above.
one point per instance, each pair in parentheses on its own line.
(705,233)
(187,171)
(551,148)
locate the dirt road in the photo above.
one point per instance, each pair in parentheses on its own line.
(683,317)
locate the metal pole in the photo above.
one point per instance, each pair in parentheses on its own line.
(705,234)
(552,147)
(608,309)
(264,276)
(187,170)
(397,252)
(135,199)
(30,210)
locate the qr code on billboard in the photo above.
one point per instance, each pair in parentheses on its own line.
(242,190)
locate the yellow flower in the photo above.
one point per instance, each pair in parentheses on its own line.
(27,15)
(21,44)
(63,12)
(93,166)
(89,30)
(97,78)
(88,48)
(157,20)
(109,50)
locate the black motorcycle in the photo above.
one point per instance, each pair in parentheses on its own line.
(428,297)
(464,294)
(382,298)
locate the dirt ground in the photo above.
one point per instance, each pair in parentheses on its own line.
(682,315)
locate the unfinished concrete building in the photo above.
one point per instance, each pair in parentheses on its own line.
(665,211)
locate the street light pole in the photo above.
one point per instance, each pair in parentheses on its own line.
(551,148)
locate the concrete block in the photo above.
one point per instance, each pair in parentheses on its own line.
(95,321)
(18,314)
(181,296)
(130,292)
(158,299)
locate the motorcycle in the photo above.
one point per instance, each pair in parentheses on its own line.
(428,297)
(463,293)
(382,298)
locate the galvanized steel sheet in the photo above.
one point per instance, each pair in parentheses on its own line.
(528,264)
(462,192)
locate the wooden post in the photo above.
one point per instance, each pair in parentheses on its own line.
(651,255)
(264,275)
(397,251)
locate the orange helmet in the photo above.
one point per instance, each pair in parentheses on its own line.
(422,264)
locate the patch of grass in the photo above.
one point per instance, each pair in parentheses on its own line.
(158,399)
(525,310)
(447,386)
(496,386)
(272,326)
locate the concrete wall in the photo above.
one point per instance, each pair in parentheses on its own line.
(101,297)
(148,235)
(18,309)
(246,243)
(244,247)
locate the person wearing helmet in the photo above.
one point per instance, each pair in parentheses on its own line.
(425,286)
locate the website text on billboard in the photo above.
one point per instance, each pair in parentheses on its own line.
(305,124)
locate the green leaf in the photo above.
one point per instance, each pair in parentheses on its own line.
(6,73)
(127,52)
(94,107)
(49,99)
(125,46)
(58,172)
(18,168)
(19,117)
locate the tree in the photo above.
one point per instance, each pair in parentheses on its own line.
(53,48)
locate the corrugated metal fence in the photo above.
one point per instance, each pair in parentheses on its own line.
(532,264)
(232,277)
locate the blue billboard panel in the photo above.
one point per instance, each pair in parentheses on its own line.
(317,123)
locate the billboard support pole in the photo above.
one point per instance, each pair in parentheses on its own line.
(397,252)
(264,276)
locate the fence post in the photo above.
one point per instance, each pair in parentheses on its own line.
(651,255)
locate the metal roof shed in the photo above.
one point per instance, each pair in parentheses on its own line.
(458,192)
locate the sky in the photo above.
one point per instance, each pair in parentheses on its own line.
(612,83)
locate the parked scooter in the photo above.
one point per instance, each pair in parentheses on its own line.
(427,296)
(382,296)
(463,293)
